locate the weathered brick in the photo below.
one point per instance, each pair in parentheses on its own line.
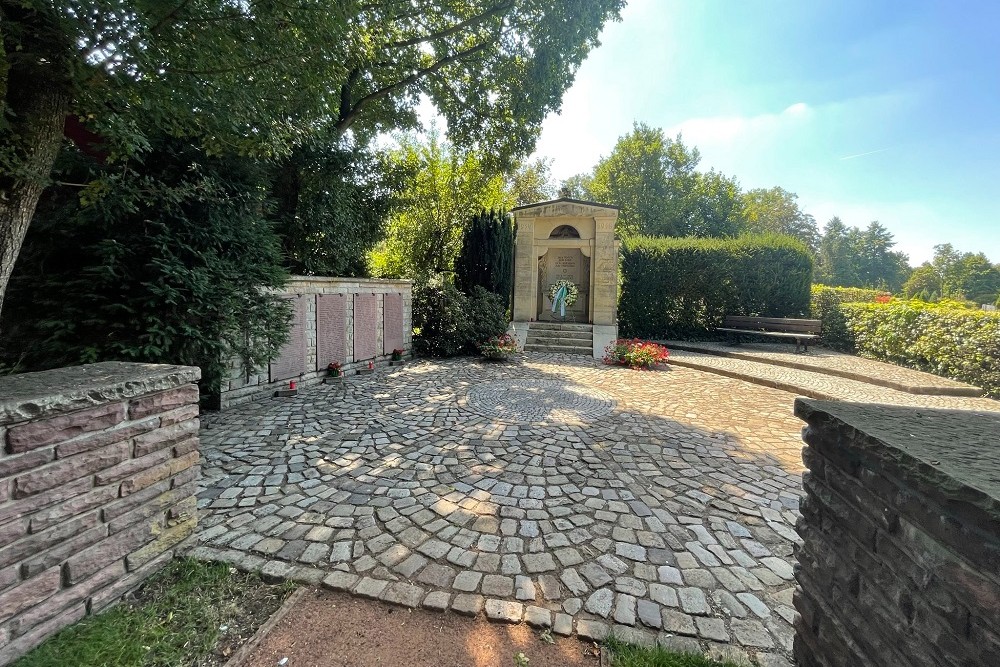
(29,593)
(183,510)
(180,414)
(9,576)
(185,446)
(121,433)
(162,401)
(39,633)
(133,501)
(162,471)
(131,467)
(33,435)
(150,506)
(67,597)
(13,530)
(34,503)
(50,516)
(12,465)
(58,553)
(186,476)
(111,594)
(113,548)
(4,490)
(164,437)
(60,472)
(33,544)
(164,541)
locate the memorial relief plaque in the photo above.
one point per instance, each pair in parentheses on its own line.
(291,360)
(365,326)
(331,329)
(392,323)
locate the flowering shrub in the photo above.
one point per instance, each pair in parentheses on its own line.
(334,368)
(635,353)
(499,346)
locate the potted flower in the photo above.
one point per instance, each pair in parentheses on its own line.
(397,355)
(499,347)
(335,369)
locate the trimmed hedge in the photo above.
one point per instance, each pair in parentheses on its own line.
(825,305)
(943,338)
(681,288)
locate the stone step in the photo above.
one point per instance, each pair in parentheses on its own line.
(575,341)
(560,333)
(563,349)
(560,326)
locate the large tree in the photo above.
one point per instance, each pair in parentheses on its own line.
(259,75)
(448,185)
(776,210)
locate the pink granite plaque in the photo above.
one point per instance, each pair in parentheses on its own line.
(291,361)
(331,329)
(392,323)
(365,326)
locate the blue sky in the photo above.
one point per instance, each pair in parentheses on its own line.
(884,111)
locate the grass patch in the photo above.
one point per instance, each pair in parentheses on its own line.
(174,620)
(630,655)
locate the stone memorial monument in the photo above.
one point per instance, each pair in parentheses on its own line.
(560,241)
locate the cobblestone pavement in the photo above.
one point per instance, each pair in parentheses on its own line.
(831,362)
(553,490)
(818,385)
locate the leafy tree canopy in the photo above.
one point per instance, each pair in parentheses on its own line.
(776,211)
(853,257)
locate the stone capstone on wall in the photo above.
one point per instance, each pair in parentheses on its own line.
(899,562)
(98,475)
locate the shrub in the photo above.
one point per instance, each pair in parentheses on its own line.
(635,353)
(825,304)
(944,338)
(450,323)
(683,287)
(487,256)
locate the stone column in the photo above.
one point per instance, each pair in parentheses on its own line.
(525,271)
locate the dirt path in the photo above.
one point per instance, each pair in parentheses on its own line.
(335,630)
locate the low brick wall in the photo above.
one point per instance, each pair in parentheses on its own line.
(305,357)
(900,556)
(98,477)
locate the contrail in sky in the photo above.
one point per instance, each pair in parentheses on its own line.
(851,157)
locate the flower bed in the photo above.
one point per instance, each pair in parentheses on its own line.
(499,347)
(635,353)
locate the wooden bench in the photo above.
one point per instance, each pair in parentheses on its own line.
(802,331)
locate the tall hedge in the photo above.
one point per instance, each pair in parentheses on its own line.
(944,338)
(487,256)
(826,304)
(683,287)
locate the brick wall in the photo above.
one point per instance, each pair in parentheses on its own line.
(303,349)
(900,556)
(98,476)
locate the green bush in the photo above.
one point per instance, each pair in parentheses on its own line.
(448,322)
(683,287)
(944,338)
(825,305)
(487,256)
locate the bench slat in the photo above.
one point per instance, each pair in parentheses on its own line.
(773,324)
(779,334)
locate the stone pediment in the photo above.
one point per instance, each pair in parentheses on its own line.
(565,208)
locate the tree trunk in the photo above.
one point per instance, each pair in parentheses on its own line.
(41,114)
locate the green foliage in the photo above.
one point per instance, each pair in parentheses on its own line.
(853,257)
(776,211)
(682,288)
(487,256)
(331,206)
(965,276)
(632,655)
(171,261)
(944,338)
(448,322)
(532,182)
(825,304)
(425,231)
(177,622)
(923,282)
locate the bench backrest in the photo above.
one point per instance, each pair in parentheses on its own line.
(784,325)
